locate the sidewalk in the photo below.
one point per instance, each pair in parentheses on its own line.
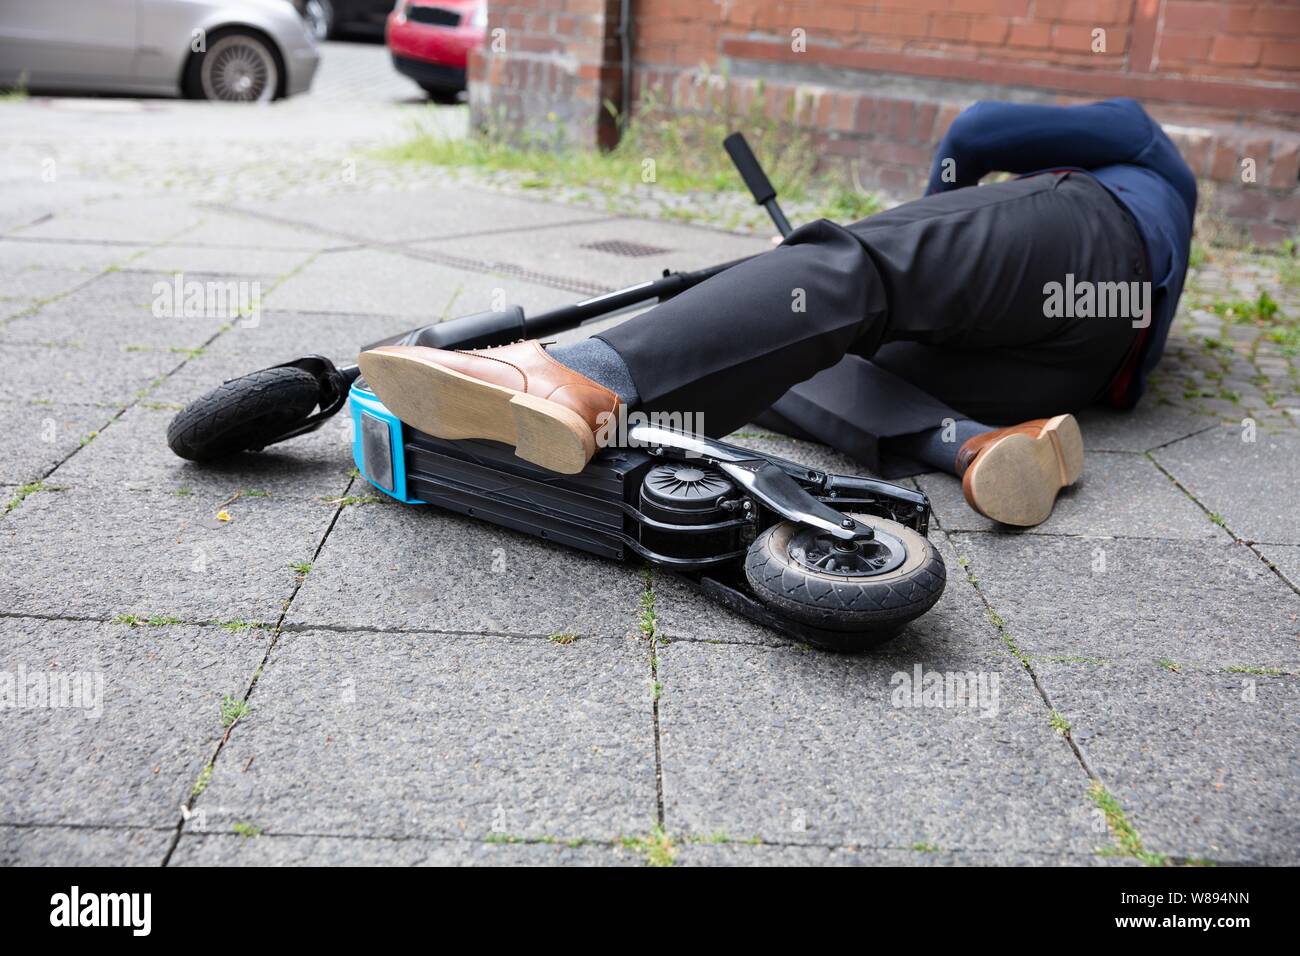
(327,677)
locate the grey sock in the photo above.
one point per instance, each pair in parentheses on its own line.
(600,363)
(937,447)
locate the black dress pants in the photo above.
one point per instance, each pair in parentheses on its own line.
(934,309)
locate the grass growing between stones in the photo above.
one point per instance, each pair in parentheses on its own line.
(679,153)
(26,491)
(232,709)
(656,847)
(154,620)
(1127,841)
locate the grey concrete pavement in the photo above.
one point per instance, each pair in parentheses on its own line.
(293,671)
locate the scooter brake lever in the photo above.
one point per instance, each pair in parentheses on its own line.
(776,489)
(767,482)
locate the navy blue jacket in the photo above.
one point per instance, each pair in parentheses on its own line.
(1114,141)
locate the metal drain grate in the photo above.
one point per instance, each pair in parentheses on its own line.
(621,247)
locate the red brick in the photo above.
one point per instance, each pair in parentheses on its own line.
(1280,21)
(989,30)
(1267,234)
(1002,8)
(1224,165)
(1188,16)
(945,26)
(1073,38)
(1287,210)
(1176,48)
(1236,51)
(1286,165)
(1282,54)
(1031,34)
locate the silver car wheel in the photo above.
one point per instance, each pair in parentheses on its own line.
(239,69)
(320,16)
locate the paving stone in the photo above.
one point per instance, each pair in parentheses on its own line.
(1205,602)
(265,850)
(130,751)
(415,215)
(391,566)
(369,734)
(809,748)
(1200,761)
(86,259)
(83,846)
(25,289)
(1120,495)
(1251,484)
(222,260)
(383,281)
(279,336)
(132,454)
(136,219)
(739,854)
(219,229)
(566,250)
(116,314)
(74,376)
(1286,559)
(35,438)
(94,553)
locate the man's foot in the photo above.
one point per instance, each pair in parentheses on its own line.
(515,394)
(1013,474)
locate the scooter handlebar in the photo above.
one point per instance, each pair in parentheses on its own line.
(748,167)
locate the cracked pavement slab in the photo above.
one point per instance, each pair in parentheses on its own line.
(138,716)
(447,736)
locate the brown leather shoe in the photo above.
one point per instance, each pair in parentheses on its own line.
(515,394)
(1013,474)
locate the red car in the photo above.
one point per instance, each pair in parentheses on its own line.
(431,41)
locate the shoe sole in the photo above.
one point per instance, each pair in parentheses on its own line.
(448,404)
(1017,478)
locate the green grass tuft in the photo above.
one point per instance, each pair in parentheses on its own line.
(232,709)
(1127,841)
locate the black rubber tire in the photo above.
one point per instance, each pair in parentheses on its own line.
(838,603)
(444,95)
(244,414)
(191,82)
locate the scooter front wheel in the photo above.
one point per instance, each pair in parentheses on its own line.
(244,414)
(809,576)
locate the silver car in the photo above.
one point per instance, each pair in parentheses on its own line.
(234,50)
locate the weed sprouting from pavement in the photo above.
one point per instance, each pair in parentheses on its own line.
(232,709)
(1127,841)
(655,847)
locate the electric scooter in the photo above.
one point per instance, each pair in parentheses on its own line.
(838,561)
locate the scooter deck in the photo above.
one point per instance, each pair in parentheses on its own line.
(594,511)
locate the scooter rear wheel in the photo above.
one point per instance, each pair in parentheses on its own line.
(877,585)
(243,414)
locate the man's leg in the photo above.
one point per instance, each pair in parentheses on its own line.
(962,271)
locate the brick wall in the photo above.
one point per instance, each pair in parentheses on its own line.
(878,81)
(547,69)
